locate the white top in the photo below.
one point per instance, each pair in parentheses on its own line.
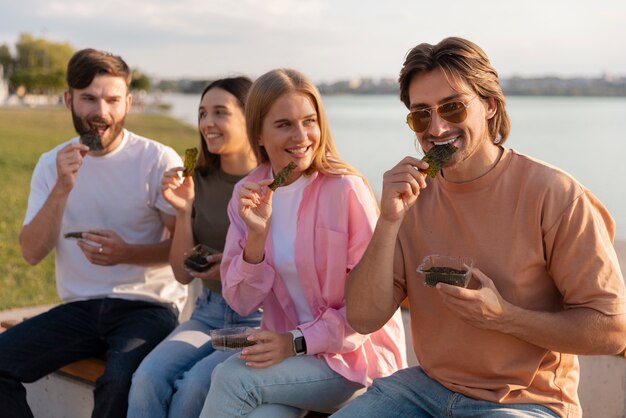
(285,204)
(119,191)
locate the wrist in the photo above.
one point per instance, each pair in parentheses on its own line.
(298,342)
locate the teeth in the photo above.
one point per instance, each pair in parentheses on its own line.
(212,135)
(297,150)
(446,142)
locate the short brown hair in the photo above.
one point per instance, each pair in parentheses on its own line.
(87,63)
(461,61)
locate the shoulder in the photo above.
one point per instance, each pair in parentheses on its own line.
(544,178)
(344,183)
(151,148)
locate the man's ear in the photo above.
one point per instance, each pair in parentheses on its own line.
(67,99)
(129,102)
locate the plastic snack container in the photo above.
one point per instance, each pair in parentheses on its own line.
(231,339)
(454,270)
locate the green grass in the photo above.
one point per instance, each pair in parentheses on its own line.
(24,135)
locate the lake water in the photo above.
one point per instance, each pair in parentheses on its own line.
(580,135)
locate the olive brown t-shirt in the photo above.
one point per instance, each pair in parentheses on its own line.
(210,219)
(544,240)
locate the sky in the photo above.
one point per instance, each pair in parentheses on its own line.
(328,40)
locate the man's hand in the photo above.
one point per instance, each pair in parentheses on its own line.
(104,247)
(68,161)
(483,307)
(401,187)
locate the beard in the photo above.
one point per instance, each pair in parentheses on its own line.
(88,126)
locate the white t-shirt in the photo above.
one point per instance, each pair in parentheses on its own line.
(120,191)
(285,204)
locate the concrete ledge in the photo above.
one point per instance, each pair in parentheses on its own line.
(60,396)
(68,393)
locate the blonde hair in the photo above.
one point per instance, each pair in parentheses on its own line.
(265,91)
(461,61)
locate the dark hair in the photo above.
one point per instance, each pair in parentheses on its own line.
(461,61)
(238,87)
(86,64)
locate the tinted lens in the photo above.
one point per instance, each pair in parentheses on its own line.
(418,120)
(454,112)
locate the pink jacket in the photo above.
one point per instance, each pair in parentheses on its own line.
(336,220)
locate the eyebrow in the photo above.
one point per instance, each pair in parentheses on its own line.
(213,107)
(281,120)
(446,99)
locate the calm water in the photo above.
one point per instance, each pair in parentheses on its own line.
(579,135)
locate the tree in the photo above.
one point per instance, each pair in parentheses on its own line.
(140,81)
(40,65)
(6,60)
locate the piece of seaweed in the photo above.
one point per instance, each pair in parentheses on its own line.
(92,140)
(447,275)
(437,156)
(191,158)
(76,235)
(282,176)
(198,258)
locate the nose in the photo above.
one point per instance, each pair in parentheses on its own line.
(205,122)
(437,125)
(100,107)
(301,133)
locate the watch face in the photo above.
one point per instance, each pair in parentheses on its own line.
(299,345)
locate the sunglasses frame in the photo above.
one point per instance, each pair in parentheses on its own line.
(429,110)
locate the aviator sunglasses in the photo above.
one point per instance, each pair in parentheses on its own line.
(454,112)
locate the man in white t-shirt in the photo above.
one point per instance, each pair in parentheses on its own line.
(96,199)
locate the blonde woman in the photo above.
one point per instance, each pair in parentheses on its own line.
(289,251)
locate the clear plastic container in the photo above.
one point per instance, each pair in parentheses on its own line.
(454,270)
(231,339)
(199,258)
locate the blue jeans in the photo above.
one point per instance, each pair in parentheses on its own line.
(286,389)
(124,330)
(411,393)
(174,379)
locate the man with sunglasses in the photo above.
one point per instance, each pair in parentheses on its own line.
(546,284)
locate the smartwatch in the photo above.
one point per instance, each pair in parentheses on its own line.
(299,344)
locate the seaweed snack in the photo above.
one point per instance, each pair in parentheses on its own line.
(228,339)
(74,235)
(199,258)
(436,157)
(92,140)
(191,158)
(282,176)
(446,269)
(447,275)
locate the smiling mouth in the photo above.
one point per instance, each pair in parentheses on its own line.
(212,135)
(449,141)
(99,128)
(298,151)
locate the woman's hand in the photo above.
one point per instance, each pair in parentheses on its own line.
(212,273)
(255,206)
(270,348)
(178,194)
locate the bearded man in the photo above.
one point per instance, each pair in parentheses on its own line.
(96,199)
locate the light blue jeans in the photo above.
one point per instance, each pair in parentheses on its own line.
(174,379)
(287,389)
(411,393)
